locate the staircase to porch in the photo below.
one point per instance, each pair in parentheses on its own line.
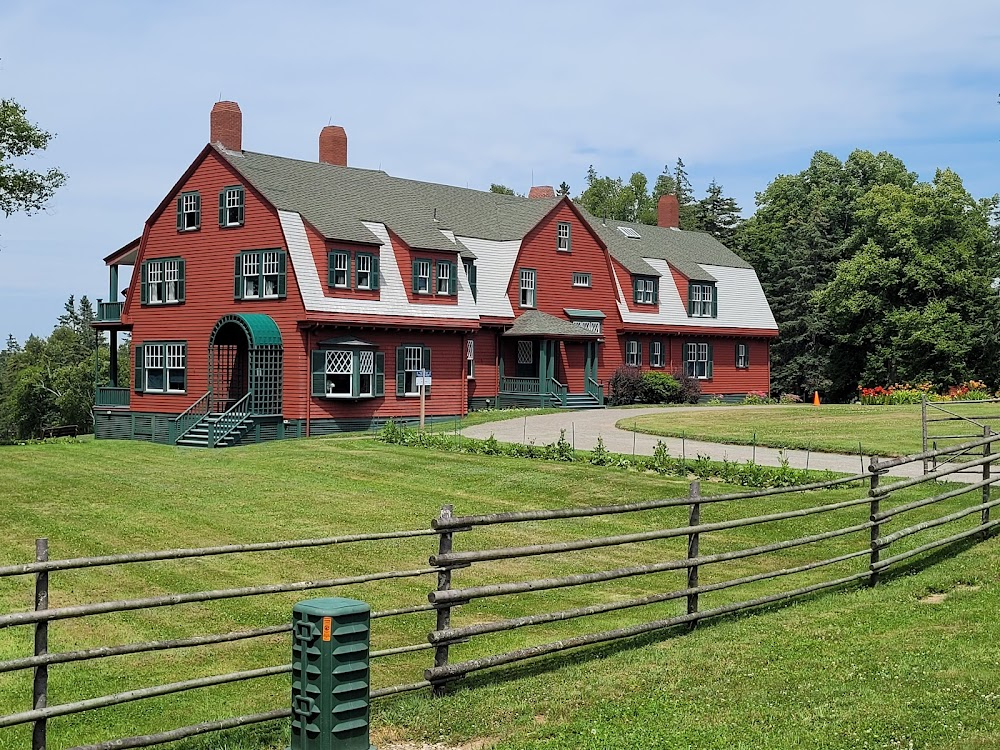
(580,401)
(199,434)
(531,392)
(198,427)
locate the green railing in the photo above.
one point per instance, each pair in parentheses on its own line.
(191,416)
(109,396)
(558,390)
(220,428)
(520,385)
(596,390)
(109,312)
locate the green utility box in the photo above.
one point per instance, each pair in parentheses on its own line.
(330,683)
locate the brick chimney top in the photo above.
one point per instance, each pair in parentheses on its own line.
(227,126)
(668,212)
(542,191)
(333,145)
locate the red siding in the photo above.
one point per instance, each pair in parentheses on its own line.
(726,378)
(405,256)
(681,282)
(625,279)
(487,381)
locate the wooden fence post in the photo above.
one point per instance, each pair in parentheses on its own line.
(874,508)
(923,429)
(444,610)
(40,686)
(694,519)
(987,448)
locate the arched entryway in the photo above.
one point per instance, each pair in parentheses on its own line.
(244,356)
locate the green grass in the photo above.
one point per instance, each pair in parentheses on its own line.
(856,668)
(474,418)
(835,428)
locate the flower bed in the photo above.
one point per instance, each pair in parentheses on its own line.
(905,393)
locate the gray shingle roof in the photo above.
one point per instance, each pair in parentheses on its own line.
(538,323)
(337,200)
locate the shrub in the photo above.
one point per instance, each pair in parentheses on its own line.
(625,386)
(690,388)
(660,388)
(790,398)
(757,398)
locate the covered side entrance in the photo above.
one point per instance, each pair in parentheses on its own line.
(244,382)
(548,361)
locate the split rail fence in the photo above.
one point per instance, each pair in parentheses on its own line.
(866,548)
(949,423)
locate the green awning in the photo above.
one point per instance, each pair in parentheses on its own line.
(261,329)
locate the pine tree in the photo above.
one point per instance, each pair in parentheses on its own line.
(685,197)
(718,214)
(563,189)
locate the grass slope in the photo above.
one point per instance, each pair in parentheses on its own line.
(835,428)
(836,671)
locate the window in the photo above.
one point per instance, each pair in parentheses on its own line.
(366,266)
(231,201)
(563,237)
(743,356)
(162,282)
(698,360)
(470,359)
(656,353)
(260,274)
(411,359)
(340,263)
(581,279)
(188,212)
(702,301)
(161,367)
(470,274)
(525,353)
(633,353)
(349,372)
(527,277)
(445,278)
(630,233)
(594,326)
(422,276)
(645,290)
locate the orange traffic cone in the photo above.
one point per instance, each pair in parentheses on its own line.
(815,398)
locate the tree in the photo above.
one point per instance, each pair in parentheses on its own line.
(717,214)
(563,189)
(23,189)
(685,197)
(501,189)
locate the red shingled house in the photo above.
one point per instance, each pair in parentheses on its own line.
(273,297)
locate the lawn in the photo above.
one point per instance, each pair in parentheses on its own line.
(856,668)
(835,428)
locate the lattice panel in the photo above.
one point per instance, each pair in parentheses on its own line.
(367,362)
(266,379)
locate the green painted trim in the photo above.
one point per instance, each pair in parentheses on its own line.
(260,328)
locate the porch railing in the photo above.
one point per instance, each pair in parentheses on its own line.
(558,390)
(595,389)
(187,419)
(109,396)
(520,385)
(109,312)
(227,423)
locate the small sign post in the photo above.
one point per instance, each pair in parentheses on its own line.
(423,381)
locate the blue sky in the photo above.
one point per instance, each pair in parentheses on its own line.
(469,93)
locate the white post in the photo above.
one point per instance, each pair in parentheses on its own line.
(422,403)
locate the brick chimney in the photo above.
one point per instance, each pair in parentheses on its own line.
(227,126)
(333,145)
(668,212)
(542,191)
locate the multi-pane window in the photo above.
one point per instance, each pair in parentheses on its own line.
(698,360)
(231,201)
(364,269)
(470,359)
(154,283)
(656,353)
(633,353)
(527,280)
(339,269)
(581,279)
(161,367)
(188,211)
(443,277)
(348,373)
(470,274)
(162,281)
(260,274)
(422,276)
(645,290)
(742,356)
(702,302)
(409,361)
(594,326)
(563,236)
(525,353)
(171,279)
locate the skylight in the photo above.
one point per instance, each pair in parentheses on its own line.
(630,233)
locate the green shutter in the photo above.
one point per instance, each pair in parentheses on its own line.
(715,301)
(197,210)
(472,278)
(222,208)
(331,264)
(260,273)
(243,200)
(318,370)
(374,274)
(237,284)
(139,373)
(656,291)
(426,364)
(747,359)
(711,358)
(282,274)
(144,283)
(379,374)
(453,278)
(180,280)
(635,290)
(185,367)
(400,372)
(414,277)
(180,213)
(690,303)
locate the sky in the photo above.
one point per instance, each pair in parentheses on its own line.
(470,93)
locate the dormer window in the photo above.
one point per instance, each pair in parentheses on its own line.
(702,300)
(646,290)
(231,201)
(188,212)
(445,277)
(564,236)
(422,276)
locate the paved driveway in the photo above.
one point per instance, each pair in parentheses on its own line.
(584,427)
